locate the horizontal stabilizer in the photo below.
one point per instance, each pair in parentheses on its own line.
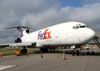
(18,27)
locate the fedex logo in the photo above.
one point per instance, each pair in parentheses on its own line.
(44,35)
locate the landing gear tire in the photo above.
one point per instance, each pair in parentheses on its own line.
(44,50)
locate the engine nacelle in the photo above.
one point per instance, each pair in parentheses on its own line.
(18,40)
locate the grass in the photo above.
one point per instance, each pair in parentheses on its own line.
(7,51)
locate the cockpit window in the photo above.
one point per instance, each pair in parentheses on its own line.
(75,27)
(82,26)
(79,26)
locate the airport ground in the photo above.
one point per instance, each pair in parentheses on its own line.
(50,62)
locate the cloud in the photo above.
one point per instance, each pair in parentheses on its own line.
(12,12)
(88,14)
(39,14)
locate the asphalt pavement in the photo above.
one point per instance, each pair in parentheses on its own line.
(50,62)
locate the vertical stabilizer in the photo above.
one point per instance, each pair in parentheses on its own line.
(20,30)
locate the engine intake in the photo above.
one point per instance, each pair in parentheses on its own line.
(18,40)
(27,31)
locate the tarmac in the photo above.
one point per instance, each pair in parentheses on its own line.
(50,62)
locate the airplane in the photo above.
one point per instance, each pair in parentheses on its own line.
(63,34)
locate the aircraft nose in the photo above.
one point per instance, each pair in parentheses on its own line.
(91,33)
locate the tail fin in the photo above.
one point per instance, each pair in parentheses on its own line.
(19,28)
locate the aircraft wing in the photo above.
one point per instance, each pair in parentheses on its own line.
(31,44)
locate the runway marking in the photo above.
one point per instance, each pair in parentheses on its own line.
(6,67)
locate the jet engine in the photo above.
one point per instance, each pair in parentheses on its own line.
(18,40)
(27,31)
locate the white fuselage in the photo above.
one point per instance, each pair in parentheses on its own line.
(62,34)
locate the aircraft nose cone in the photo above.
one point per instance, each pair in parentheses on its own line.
(92,34)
